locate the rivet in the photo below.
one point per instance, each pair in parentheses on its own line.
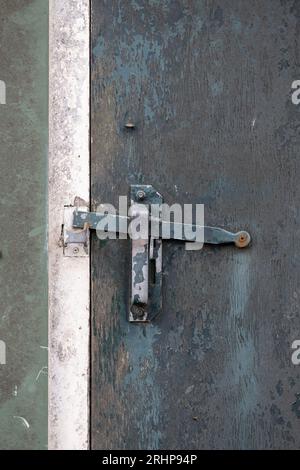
(242,239)
(75,250)
(140,194)
(138,311)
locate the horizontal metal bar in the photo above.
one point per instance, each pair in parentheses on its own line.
(93,219)
(167,230)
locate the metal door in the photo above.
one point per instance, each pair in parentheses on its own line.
(194,97)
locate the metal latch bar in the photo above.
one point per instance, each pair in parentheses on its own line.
(146,251)
(212,235)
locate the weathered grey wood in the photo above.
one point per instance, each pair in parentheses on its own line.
(207,86)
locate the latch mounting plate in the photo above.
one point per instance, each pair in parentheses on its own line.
(75,240)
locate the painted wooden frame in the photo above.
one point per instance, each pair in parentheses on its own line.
(69,277)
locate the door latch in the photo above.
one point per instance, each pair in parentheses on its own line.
(146,250)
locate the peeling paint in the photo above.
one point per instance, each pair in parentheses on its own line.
(211,376)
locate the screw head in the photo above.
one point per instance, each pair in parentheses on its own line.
(140,194)
(138,311)
(242,239)
(76,250)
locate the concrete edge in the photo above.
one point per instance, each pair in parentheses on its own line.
(69,277)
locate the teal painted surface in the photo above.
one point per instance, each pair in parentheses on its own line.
(207,85)
(23,183)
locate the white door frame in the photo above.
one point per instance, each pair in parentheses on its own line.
(69,277)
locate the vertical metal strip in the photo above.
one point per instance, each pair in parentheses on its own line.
(139,265)
(146,290)
(69,326)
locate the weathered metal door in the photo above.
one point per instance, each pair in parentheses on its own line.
(194,97)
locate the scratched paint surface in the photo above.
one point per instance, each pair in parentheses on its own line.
(207,86)
(23,183)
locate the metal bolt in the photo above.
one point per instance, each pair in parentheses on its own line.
(75,250)
(242,239)
(130,125)
(140,194)
(138,311)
